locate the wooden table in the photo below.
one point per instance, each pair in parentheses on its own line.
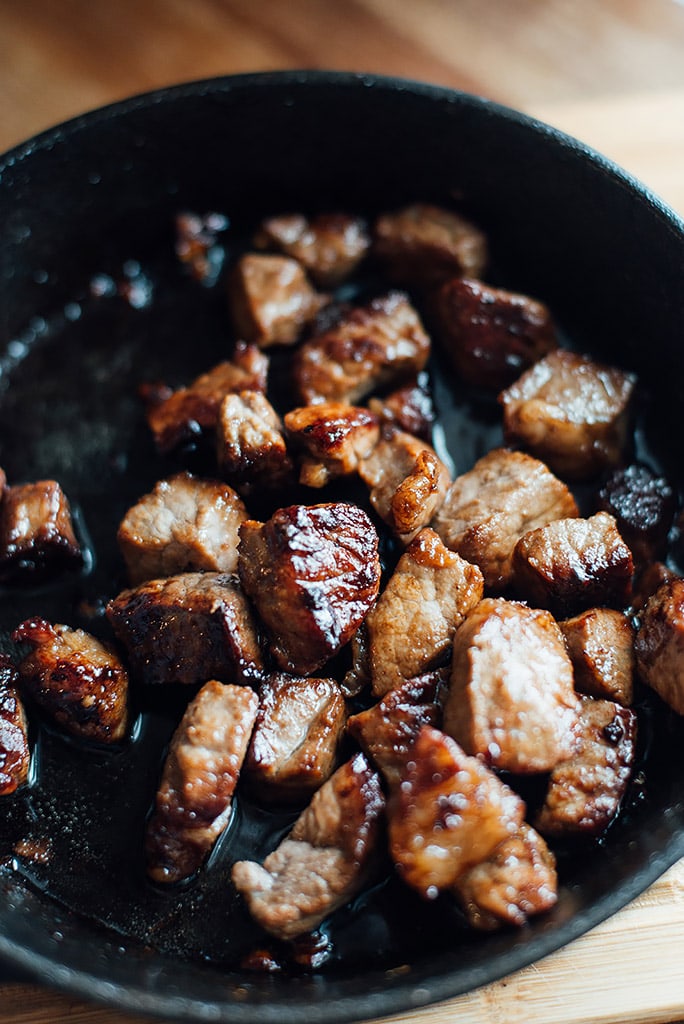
(611,73)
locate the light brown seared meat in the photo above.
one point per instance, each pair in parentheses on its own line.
(313,573)
(491,335)
(511,700)
(36,531)
(409,408)
(183,524)
(411,628)
(250,447)
(296,738)
(271,300)
(15,756)
(644,506)
(489,508)
(407,481)
(75,680)
(585,792)
(423,244)
(659,644)
(324,861)
(188,628)
(651,577)
(447,813)
(332,438)
(329,246)
(571,564)
(571,412)
(195,796)
(600,643)
(370,347)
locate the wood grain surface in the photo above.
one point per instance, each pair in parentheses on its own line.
(609,72)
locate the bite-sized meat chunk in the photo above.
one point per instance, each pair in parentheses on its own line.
(408,482)
(183,524)
(329,246)
(333,438)
(647,581)
(585,792)
(190,412)
(271,299)
(371,347)
(659,644)
(197,245)
(489,508)
(195,796)
(447,813)
(75,680)
(409,408)
(296,738)
(643,505)
(571,564)
(36,531)
(357,676)
(15,756)
(324,861)
(411,628)
(423,244)
(491,335)
(511,700)
(188,628)
(600,643)
(313,572)
(516,881)
(571,412)
(250,447)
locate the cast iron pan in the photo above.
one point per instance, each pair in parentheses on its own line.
(92,302)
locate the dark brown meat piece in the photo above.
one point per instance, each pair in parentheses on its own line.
(324,861)
(409,408)
(333,438)
(296,738)
(195,796)
(491,335)
(448,813)
(36,531)
(511,700)
(585,792)
(271,299)
(184,524)
(329,246)
(372,346)
(488,509)
(250,447)
(571,412)
(313,573)
(650,578)
(659,644)
(425,245)
(15,756)
(187,629)
(572,564)
(643,505)
(600,643)
(75,680)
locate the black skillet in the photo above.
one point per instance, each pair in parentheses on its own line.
(92,302)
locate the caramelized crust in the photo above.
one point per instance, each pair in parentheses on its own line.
(15,756)
(333,437)
(410,408)
(423,244)
(600,643)
(250,447)
(271,299)
(659,644)
(329,246)
(36,531)
(643,505)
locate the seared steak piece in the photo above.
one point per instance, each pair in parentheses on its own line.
(407,482)
(296,738)
(572,564)
(75,680)
(329,246)
(271,299)
(600,643)
(36,531)
(409,408)
(15,756)
(491,335)
(250,447)
(650,578)
(195,796)
(411,628)
(183,524)
(585,791)
(659,644)
(489,508)
(189,412)
(369,347)
(571,412)
(332,437)
(511,700)
(187,629)
(324,861)
(424,245)
(313,573)
(447,813)
(643,505)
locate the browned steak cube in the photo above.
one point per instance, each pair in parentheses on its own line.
(250,447)
(329,246)
(195,796)
(659,644)
(271,299)
(489,508)
(313,573)
(187,629)
(332,438)
(643,505)
(424,245)
(511,700)
(75,680)
(650,578)
(600,643)
(15,756)
(409,408)
(36,531)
